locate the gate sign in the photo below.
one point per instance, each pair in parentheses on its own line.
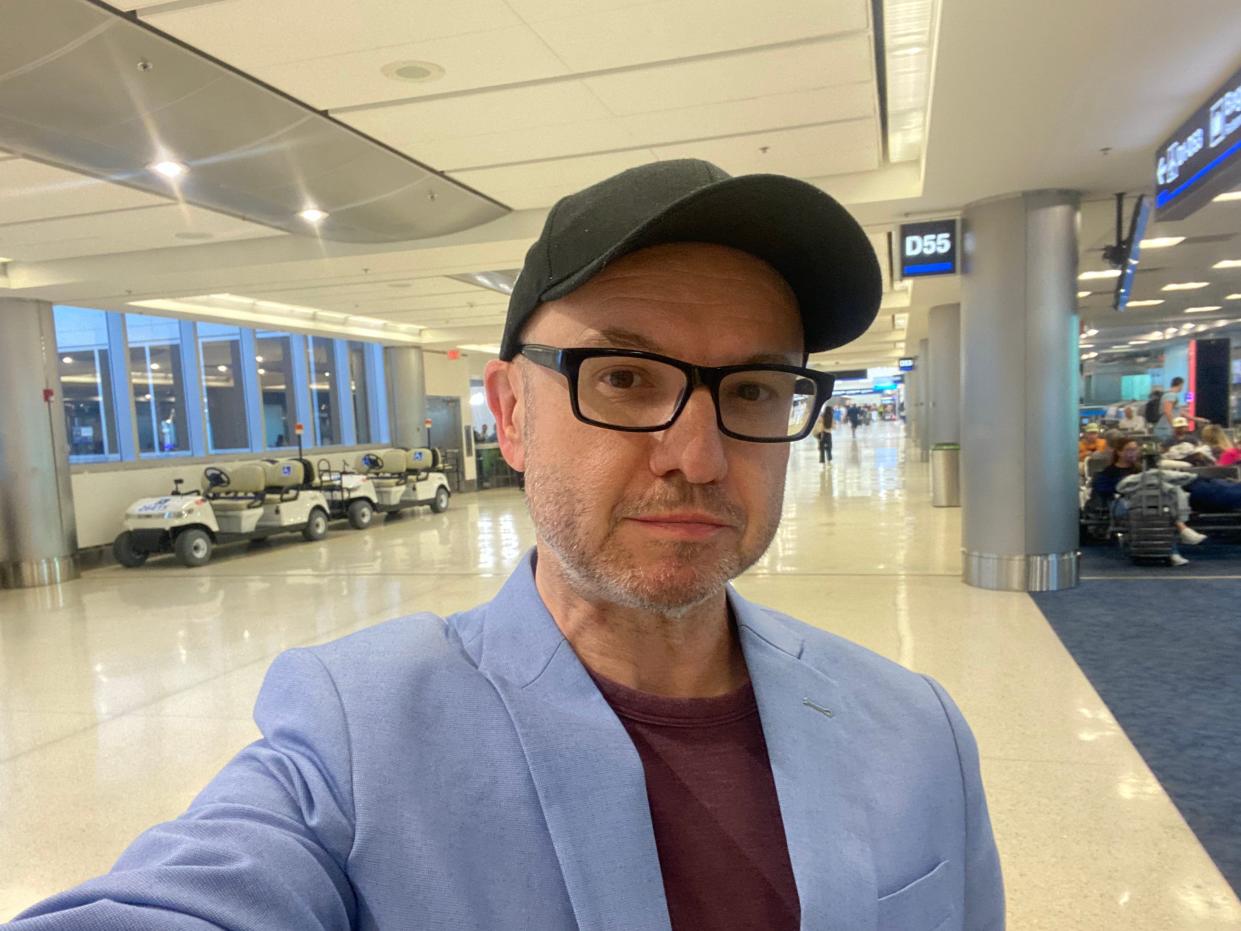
(1203,157)
(928,248)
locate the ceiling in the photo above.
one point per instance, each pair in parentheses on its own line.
(540,97)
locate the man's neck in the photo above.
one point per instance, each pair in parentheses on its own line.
(693,655)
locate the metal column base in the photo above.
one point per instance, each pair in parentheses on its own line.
(1042,572)
(31,573)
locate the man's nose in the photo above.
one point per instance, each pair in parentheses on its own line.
(693,445)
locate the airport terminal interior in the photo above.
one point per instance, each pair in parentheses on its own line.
(256,256)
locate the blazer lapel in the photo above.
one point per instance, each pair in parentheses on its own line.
(587,774)
(819,777)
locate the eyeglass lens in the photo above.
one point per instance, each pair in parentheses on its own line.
(642,393)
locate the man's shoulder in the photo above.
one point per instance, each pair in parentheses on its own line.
(851,664)
(403,647)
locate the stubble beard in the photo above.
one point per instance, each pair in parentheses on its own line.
(668,578)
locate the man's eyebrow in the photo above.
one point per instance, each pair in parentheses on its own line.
(620,338)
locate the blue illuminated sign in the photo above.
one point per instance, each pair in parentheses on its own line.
(928,248)
(1203,157)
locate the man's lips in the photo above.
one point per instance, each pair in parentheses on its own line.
(687,524)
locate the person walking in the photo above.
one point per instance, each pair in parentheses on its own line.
(824,434)
(854,414)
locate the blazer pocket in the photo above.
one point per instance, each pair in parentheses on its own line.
(923,905)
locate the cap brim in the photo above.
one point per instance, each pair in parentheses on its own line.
(812,241)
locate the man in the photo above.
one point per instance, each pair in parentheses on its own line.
(1169,411)
(618,740)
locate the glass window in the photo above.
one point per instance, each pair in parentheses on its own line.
(275,366)
(86,383)
(158,385)
(224,395)
(322,398)
(359,390)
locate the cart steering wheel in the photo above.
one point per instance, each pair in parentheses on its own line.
(216,477)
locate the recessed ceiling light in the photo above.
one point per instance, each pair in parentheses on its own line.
(1144,303)
(1233,297)
(312,215)
(169,168)
(1221,323)
(415,72)
(1185,286)
(1105,273)
(1171,331)
(1202,310)
(1092,332)
(1162,242)
(1081,294)
(1228,263)
(221,368)
(262,371)
(154,366)
(1138,342)
(1085,345)
(1227,196)
(3,260)
(328,374)
(258,358)
(68,360)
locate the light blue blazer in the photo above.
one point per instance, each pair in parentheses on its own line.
(465,773)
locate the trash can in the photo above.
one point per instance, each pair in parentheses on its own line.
(946,475)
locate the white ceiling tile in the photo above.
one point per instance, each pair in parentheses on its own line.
(488,113)
(249,34)
(543,183)
(672,29)
(843,61)
(126,231)
(31,191)
(852,101)
(537,11)
(480,59)
(803,153)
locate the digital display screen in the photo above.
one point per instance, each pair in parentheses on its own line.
(1203,157)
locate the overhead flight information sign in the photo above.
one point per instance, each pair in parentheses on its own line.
(1203,157)
(928,248)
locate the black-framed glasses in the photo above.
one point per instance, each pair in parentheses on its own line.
(643,392)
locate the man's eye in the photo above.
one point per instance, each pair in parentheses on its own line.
(621,378)
(752,392)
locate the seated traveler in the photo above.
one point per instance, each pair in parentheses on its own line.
(1225,451)
(1092,441)
(1131,422)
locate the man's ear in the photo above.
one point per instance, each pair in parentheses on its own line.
(503,384)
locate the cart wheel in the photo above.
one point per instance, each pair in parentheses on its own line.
(316,527)
(127,552)
(361,513)
(193,547)
(440,503)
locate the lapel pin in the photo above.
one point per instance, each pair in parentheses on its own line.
(819,708)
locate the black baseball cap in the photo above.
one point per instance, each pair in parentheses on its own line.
(803,233)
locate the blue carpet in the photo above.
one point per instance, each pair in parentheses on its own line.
(1166,658)
(1216,557)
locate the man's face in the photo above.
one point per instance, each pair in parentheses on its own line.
(656,521)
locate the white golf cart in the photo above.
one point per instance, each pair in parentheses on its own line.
(247,501)
(350,494)
(406,478)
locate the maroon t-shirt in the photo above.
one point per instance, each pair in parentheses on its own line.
(722,849)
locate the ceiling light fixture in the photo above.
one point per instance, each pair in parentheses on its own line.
(1085,345)
(1228,263)
(68,360)
(1144,303)
(168,168)
(312,215)
(1185,286)
(1227,196)
(1105,273)
(3,260)
(1205,309)
(1081,294)
(1092,332)
(154,366)
(1162,242)
(1230,297)
(221,368)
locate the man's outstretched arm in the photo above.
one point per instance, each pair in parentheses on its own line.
(263,848)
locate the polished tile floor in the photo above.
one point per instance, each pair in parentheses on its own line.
(122,693)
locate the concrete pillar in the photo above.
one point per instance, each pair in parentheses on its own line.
(944,374)
(1019,380)
(38,533)
(407,394)
(921,374)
